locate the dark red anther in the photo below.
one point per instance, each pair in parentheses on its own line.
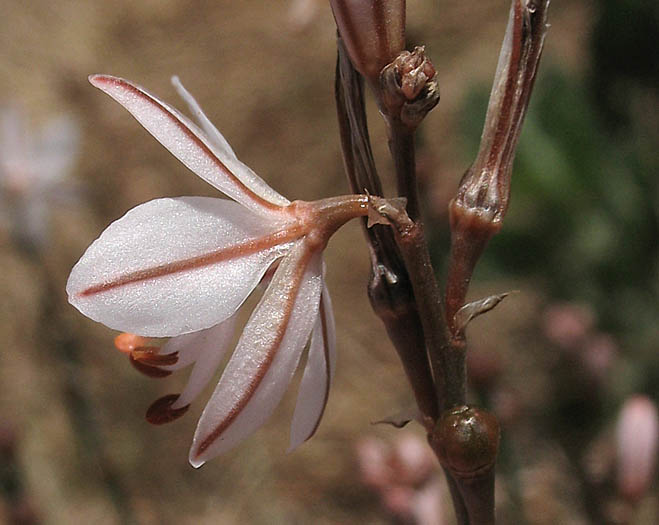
(161,411)
(148,370)
(149,356)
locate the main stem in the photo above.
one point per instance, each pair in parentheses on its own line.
(389,288)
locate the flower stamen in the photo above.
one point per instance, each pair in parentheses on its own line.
(126,342)
(148,370)
(161,411)
(149,356)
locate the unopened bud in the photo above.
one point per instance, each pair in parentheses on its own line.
(409,87)
(477,211)
(466,440)
(637,437)
(373,32)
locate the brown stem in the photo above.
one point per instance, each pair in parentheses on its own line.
(401,146)
(447,358)
(389,289)
(466,441)
(461,513)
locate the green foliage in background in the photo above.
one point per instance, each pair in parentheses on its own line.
(584,214)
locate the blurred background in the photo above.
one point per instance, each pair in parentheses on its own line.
(570,364)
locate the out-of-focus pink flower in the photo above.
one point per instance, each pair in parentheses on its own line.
(401,474)
(182,267)
(398,499)
(34,173)
(599,353)
(302,13)
(372,460)
(566,325)
(637,437)
(427,507)
(413,459)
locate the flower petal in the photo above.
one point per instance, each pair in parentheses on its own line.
(190,347)
(211,131)
(188,144)
(317,377)
(212,345)
(265,359)
(187,347)
(174,266)
(224,150)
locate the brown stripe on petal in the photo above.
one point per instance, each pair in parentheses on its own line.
(241,250)
(148,370)
(161,411)
(261,371)
(191,135)
(150,356)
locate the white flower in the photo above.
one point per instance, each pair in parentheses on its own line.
(34,169)
(181,267)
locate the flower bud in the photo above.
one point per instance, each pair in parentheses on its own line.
(373,32)
(466,440)
(409,87)
(637,436)
(477,211)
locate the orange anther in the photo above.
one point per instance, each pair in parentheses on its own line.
(126,342)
